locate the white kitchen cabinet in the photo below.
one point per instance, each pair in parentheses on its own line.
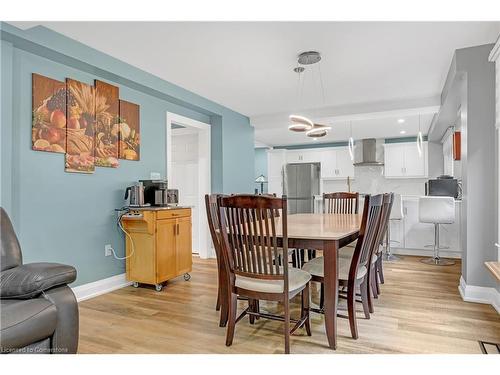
(336,164)
(414,236)
(276,159)
(302,156)
(402,160)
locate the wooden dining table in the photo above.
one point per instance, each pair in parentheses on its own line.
(326,232)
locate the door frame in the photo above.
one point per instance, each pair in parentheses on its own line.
(204,179)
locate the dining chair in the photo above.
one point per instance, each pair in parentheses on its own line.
(252,247)
(376,270)
(222,281)
(338,203)
(353,272)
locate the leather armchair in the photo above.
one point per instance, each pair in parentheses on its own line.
(38,311)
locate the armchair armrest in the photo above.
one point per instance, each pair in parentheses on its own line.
(29,280)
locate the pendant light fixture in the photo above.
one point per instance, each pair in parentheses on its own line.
(300,123)
(351,142)
(420,139)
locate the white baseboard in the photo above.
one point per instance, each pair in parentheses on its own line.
(426,252)
(96,288)
(479,294)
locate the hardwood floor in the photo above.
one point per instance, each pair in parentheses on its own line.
(419,311)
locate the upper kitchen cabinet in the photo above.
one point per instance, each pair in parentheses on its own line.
(302,156)
(402,160)
(276,159)
(336,163)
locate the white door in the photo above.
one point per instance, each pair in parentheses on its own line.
(185,177)
(328,164)
(344,163)
(394,160)
(275,162)
(414,163)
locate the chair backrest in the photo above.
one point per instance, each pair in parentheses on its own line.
(437,210)
(340,203)
(214,224)
(368,230)
(10,250)
(250,242)
(387,206)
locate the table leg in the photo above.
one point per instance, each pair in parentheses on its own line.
(331,291)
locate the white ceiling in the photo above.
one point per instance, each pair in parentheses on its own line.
(247,66)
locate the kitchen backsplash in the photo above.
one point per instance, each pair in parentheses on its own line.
(371,180)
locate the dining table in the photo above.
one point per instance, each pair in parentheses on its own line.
(326,232)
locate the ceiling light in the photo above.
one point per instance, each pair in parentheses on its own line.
(402,132)
(300,123)
(401,121)
(351,143)
(318,131)
(420,139)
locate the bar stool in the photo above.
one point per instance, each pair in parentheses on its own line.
(396,214)
(437,210)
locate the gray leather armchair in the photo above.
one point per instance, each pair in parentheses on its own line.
(38,311)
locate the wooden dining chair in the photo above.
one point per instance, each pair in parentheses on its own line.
(255,240)
(340,203)
(353,273)
(377,261)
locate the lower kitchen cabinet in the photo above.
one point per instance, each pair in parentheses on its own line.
(159,245)
(409,233)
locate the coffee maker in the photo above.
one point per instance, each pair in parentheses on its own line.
(156,192)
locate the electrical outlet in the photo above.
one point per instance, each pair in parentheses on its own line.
(107,250)
(155,176)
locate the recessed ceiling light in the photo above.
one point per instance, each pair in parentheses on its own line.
(402,132)
(401,121)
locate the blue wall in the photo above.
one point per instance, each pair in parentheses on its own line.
(68,218)
(261,165)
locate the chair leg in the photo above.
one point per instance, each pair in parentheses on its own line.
(294,258)
(364,298)
(224,315)
(233,300)
(257,308)
(287,324)
(368,281)
(373,283)
(321,296)
(217,304)
(380,267)
(251,306)
(351,309)
(305,309)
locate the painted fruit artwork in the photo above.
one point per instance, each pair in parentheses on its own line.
(48,114)
(81,127)
(129,131)
(106,125)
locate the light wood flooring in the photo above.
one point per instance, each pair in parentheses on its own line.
(419,311)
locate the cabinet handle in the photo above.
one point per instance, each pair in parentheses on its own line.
(177,225)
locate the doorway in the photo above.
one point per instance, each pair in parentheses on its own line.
(188,170)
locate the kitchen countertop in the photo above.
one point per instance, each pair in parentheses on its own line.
(157,208)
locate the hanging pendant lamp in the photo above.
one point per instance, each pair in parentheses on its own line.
(300,123)
(420,139)
(351,143)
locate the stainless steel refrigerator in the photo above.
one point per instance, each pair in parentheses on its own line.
(301,184)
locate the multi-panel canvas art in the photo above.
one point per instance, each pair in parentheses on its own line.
(89,124)
(81,127)
(107,129)
(48,131)
(130,140)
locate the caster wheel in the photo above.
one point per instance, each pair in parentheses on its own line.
(158,287)
(187,277)
(135,284)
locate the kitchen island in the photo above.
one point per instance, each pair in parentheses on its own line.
(158,244)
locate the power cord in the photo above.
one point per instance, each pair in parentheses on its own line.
(124,210)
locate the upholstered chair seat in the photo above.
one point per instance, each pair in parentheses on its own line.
(316,268)
(296,279)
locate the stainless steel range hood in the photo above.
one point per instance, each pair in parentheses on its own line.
(369,154)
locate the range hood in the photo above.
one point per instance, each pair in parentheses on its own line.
(369,154)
